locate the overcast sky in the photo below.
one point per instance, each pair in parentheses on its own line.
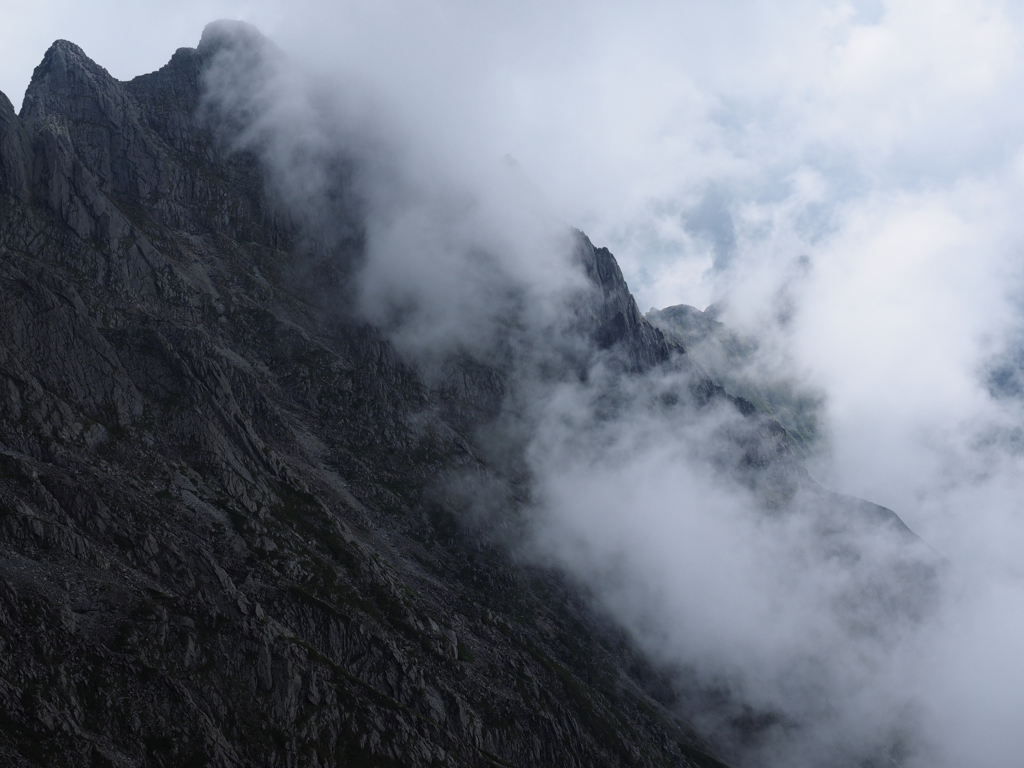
(710,145)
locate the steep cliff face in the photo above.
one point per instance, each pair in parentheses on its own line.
(221,539)
(15,151)
(615,319)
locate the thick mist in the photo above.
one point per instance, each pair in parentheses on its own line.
(711,148)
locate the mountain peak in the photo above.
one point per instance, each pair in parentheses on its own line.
(60,53)
(65,72)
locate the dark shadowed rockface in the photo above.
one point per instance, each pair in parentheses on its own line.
(218,539)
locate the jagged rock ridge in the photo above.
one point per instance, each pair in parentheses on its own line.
(219,543)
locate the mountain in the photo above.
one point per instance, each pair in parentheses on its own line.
(218,541)
(730,359)
(223,536)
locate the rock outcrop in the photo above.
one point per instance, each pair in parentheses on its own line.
(15,151)
(615,320)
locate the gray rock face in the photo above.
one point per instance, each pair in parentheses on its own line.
(615,320)
(15,152)
(220,537)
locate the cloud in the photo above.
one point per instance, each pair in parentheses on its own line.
(799,621)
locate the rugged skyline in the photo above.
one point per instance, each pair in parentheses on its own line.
(878,138)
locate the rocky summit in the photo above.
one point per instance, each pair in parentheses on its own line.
(224,539)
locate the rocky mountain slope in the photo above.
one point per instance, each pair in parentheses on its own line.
(221,540)
(223,536)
